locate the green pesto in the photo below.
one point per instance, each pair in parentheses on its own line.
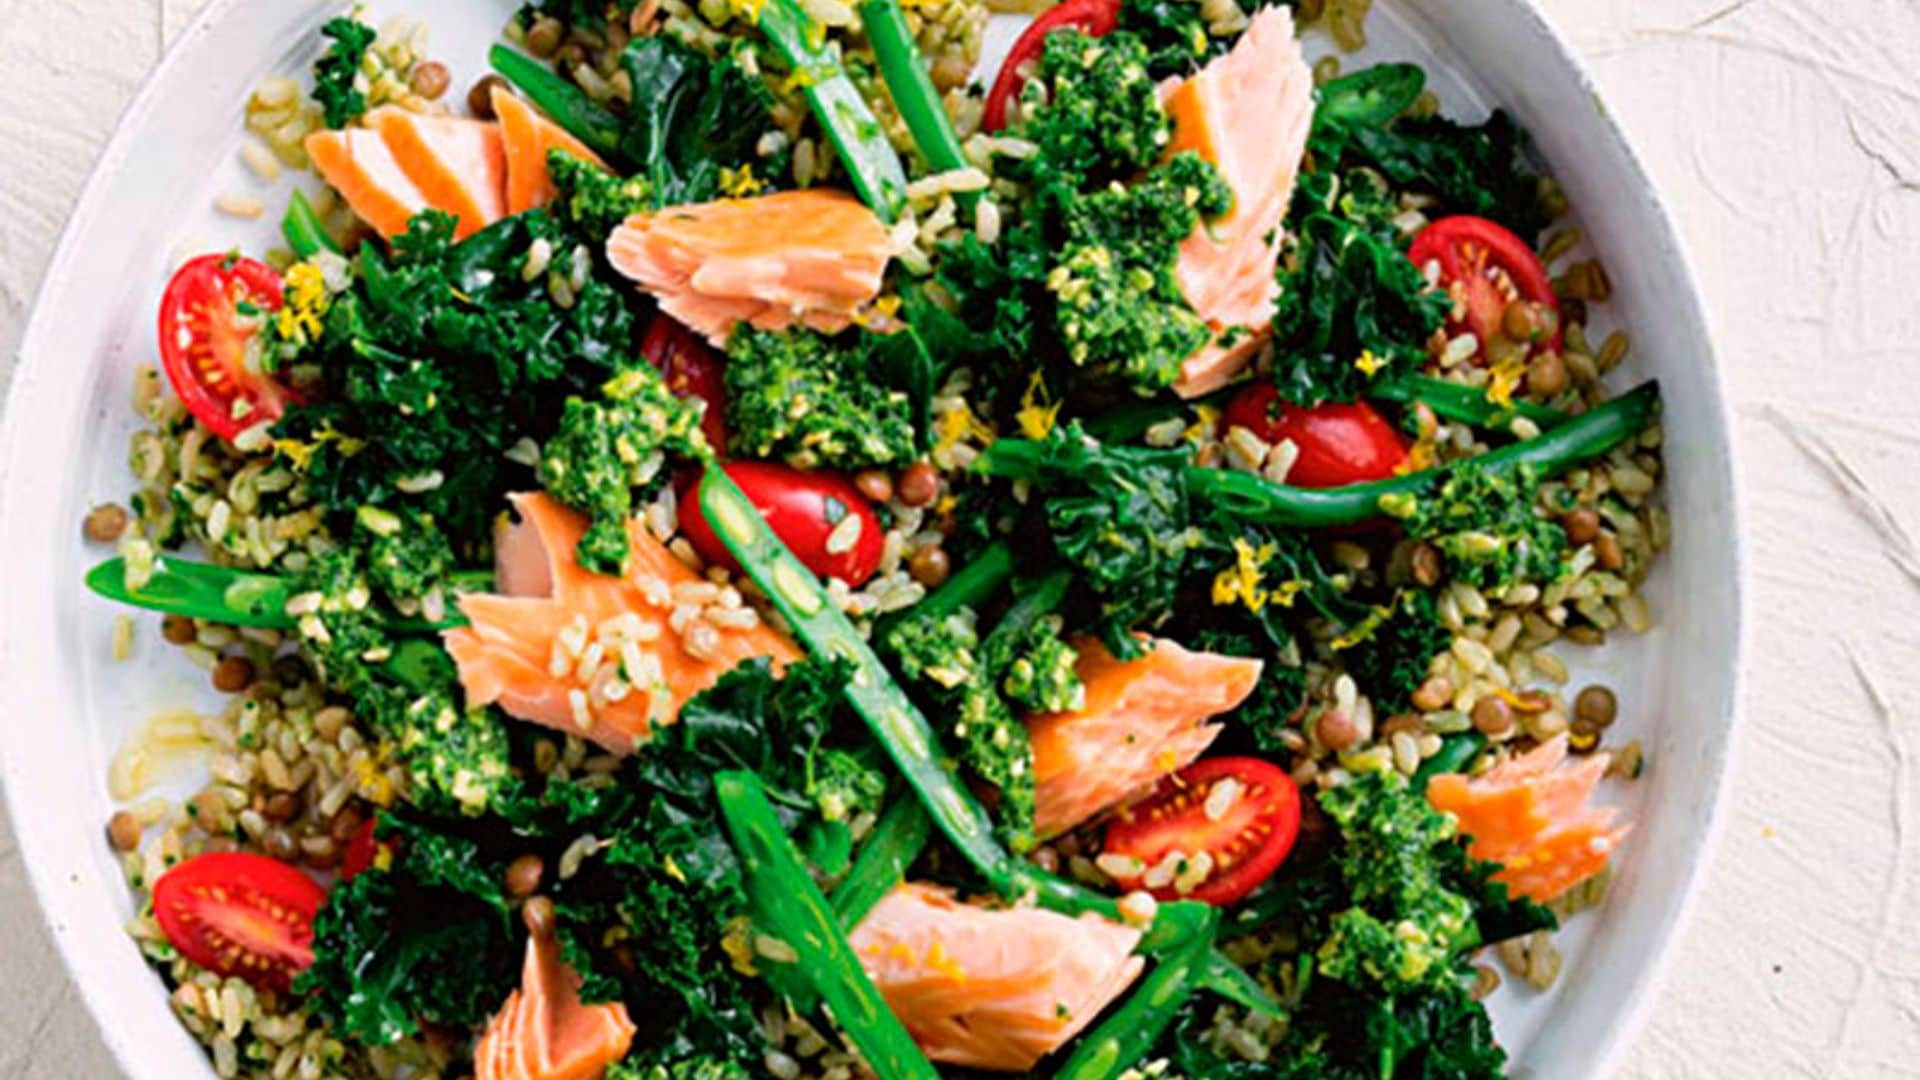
(814,401)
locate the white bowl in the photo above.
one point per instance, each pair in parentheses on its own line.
(64,706)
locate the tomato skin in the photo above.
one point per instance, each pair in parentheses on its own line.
(1493,265)
(204,352)
(1339,444)
(1096,18)
(799,508)
(1256,833)
(693,369)
(237,913)
(359,853)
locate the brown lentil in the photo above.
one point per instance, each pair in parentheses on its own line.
(538,915)
(123,831)
(1596,706)
(105,523)
(1434,694)
(1581,526)
(178,630)
(523,876)
(430,80)
(1491,716)
(282,806)
(345,824)
(480,98)
(1519,321)
(1547,375)
(543,37)
(1337,730)
(1402,723)
(280,843)
(1607,553)
(875,484)
(919,484)
(233,674)
(930,566)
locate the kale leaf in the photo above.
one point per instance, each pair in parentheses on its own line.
(1389,652)
(813,400)
(694,122)
(335,73)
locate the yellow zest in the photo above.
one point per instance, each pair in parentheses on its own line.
(958,424)
(1166,761)
(306,303)
(740,183)
(1038,410)
(1241,582)
(673,870)
(1369,364)
(737,943)
(1420,457)
(383,857)
(1206,419)
(747,9)
(1364,629)
(941,961)
(1506,375)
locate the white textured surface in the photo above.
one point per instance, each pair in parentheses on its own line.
(1786,137)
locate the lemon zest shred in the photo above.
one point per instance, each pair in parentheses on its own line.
(1038,410)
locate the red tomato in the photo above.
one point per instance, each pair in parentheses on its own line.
(1339,444)
(240,914)
(693,369)
(1096,18)
(203,341)
(802,509)
(1247,844)
(359,852)
(1490,267)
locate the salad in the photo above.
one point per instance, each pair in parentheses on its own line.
(743,546)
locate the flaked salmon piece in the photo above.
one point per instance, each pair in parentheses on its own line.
(811,257)
(527,136)
(1530,816)
(590,654)
(1249,113)
(459,165)
(359,165)
(1143,718)
(991,988)
(545,1032)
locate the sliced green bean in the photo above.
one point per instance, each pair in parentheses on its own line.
(787,904)
(223,594)
(1456,752)
(843,113)
(914,95)
(302,227)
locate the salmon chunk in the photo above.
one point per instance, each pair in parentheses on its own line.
(1249,113)
(808,258)
(1530,816)
(459,165)
(593,654)
(527,136)
(991,988)
(359,165)
(1143,718)
(544,1031)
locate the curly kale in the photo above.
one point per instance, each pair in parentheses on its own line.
(1175,33)
(1389,653)
(813,400)
(1282,688)
(703,1067)
(439,359)
(611,452)
(695,122)
(1489,526)
(335,73)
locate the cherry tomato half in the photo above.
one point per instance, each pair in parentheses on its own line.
(803,509)
(1488,266)
(241,914)
(1096,18)
(1339,444)
(359,852)
(203,341)
(1247,843)
(693,369)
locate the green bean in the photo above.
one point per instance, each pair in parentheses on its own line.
(1468,404)
(568,105)
(1231,981)
(222,594)
(1125,1036)
(912,90)
(302,227)
(843,113)
(1456,752)
(787,904)
(896,840)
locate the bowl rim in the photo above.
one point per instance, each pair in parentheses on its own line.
(35,353)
